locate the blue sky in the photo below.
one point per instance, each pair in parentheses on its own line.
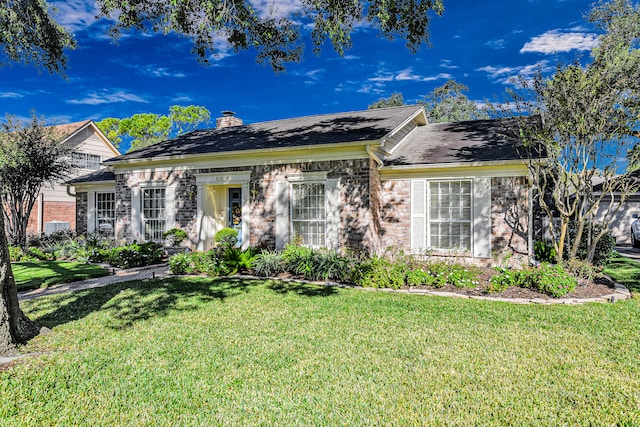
(479,43)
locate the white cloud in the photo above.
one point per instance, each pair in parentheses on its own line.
(154,71)
(276,8)
(75,15)
(105,97)
(13,95)
(448,64)
(182,97)
(405,75)
(505,75)
(561,41)
(496,44)
(440,76)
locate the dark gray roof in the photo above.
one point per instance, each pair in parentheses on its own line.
(97,176)
(358,126)
(472,141)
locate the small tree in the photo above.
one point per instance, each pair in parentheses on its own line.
(395,100)
(589,117)
(447,103)
(31,156)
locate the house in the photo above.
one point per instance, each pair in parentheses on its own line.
(56,207)
(369,179)
(620,213)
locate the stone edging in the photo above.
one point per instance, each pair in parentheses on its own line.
(620,293)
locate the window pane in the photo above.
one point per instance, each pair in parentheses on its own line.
(308,212)
(153,213)
(450,215)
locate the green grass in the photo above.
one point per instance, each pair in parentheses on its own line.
(624,271)
(199,351)
(42,274)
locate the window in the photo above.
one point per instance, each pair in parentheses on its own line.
(450,215)
(86,161)
(308,212)
(153,213)
(106,213)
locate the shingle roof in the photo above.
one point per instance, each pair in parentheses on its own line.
(69,128)
(471,141)
(358,126)
(101,175)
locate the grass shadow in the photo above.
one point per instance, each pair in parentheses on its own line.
(300,288)
(624,271)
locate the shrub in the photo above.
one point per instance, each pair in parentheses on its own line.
(331,265)
(226,238)
(237,260)
(16,254)
(506,279)
(40,254)
(543,251)
(299,260)
(551,280)
(268,263)
(135,255)
(174,237)
(582,269)
(418,277)
(197,263)
(439,272)
(378,272)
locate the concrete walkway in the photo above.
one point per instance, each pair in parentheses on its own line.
(129,275)
(628,252)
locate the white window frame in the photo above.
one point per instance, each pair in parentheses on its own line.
(470,221)
(323,220)
(98,219)
(86,160)
(156,236)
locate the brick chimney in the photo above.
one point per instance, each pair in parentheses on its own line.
(227,120)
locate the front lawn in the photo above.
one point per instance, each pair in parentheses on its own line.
(33,275)
(624,271)
(199,351)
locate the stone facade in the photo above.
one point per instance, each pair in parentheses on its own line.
(82,212)
(510,215)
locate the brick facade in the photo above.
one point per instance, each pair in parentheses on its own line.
(53,211)
(375,214)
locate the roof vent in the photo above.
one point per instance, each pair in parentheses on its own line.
(228,119)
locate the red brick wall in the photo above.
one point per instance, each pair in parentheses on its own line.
(53,211)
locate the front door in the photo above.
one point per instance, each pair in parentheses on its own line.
(235,211)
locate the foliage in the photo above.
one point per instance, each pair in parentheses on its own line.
(544,251)
(208,263)
(16,254)
(583,270)
(135,255)
(418,277)
(276,38)
(461,276)
(395,100)
(299,261)
(145,129)
(226,238)
(549,279)
(379,272)
(31,157)
(588,121)
(268,263)
(30,35)
(237,260)
(507,278)
(447,103)
(174,237)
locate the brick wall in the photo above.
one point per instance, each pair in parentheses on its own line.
(53,211)
(395,215)
(510,215)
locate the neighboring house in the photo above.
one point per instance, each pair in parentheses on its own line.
(620,225)
(369,180)
(56,207)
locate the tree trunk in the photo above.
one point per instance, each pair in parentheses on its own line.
(15,327)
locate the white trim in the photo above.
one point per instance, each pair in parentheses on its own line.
(455,171)
(223,178)
(307,176)
(92,210)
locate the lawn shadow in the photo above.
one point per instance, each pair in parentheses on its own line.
(300,288)
(626,271)
(130,302)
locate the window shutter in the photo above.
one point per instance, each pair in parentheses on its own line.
(136,214)
(332,194)
(482,217)
(282,214)
(170,207)
(418,215)
(91,211)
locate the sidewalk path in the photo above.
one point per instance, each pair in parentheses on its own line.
(128,275)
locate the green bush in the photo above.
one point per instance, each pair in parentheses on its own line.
(582,269)
(331,265)
(40,254)
(268,263)
(135,255)
(299,261)
(418,277)
(544,251)
(461,276)
(507,278)
(378,272)
(549,279)
(226,238)
(174,237)
(237,260)
(16,254)
(604,247)
(208,263)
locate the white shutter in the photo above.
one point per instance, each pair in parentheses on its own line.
(170,207)
(282,214)
(482,217)
(136,214)
(91,211)
(332,194)
(418,215)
